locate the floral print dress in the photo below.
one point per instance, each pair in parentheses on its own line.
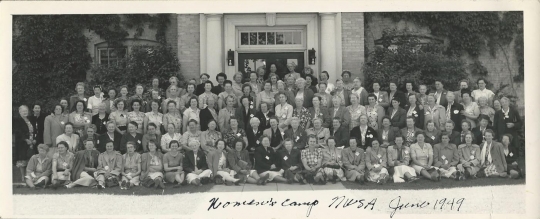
(137,117)
(174,118)
(372,115)
(355,115)
(304,116)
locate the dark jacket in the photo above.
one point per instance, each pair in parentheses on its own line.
(243,117)
(455,114)
(205,116)
(199,89)
(392,133)
(341,136)
(287,160)
(418,116)
(479,135)
(299,138)
(253,138)
(21,132)
(80,161)
(101,124)
(371,134)
(234,157)
(499,124)
(308,98)
(103,139)
(399,119)
(126,137)
(400,96)
(264,122)
(189,161)
(264,158)
(39,124)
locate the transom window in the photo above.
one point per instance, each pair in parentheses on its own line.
(285,37)
(111,56)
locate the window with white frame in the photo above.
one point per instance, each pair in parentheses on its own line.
(270,38)
(111,56)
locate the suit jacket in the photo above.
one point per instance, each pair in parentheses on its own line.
(275,142)
(234,158)
(438,153)
(205,116)
(443,101)
(299,137)
(288,159)
(399,119)
(371,134)
(372,157)
(324,114)
(243,118)
(343,113)
(479,135)
(213,160)
(383,100)
(418,116)
(327,155)
(80,162)
(53,128)
(351,159)
(455,137)
(253,138)
(400,96)
(392,155)
(189,162)
(500,121)
(465,154)
(455,114)
(392,133)
(264,122)
(404,132)
(264,158)
(308,97)
(103,139)
(341,136)
(363,97)
(498,157)
(433,137)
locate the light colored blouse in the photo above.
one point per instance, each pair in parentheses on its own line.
(203,99)
(63,162)
(355,115)
(120,118)
(174,118)
(190,114)
(72,141)
(93,104)
(284,112)
(189,136)
(421,155)
(137,117)
(167,138)
(470,110)
(155,118)
(267,98)
(322,135)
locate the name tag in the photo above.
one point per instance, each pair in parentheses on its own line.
(379,156)
(380,160)
(257,142)
(64,164)
(443,157)
(238,134)
(251,107)
(511,154)
(433,137)
(380,99)
(285,158)
(356,153)
(406,152)
(297,138)
(282,133)
(445,161)
(98,141)
(62,122)
(251,114)
(427,113)
(376,165)
(268,158)
(104,123)
(456,111)
(139,141)
(472,157)
(106,167)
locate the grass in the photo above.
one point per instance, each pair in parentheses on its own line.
(424,184)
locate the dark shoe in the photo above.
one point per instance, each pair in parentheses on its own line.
(205,180)
(458,176)
(128,185)
(156,183)
(481,174)
(99,186)
(184,183)
(54,186)
(161,185)
(40,184)
(259,182)
(438,175)
(123,184)
(197,182)
(467,173)
(413,179)
(177,185)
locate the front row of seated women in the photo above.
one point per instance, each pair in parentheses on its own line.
(314,164)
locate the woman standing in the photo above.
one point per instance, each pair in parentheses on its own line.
(123,96)
(355,109)
(179,91)
(360,92)
(244,113)
(470,109)
(136,115)
(78,96)
(226,113)
(208,114)
(172,164)
(483,92)
(325,98)
(200,89)
(154,116)
(415,111)
(422,158)
(304,92)
(376,163)
(229,91)
(254,83)
(217,163)
(397,114)
(311,83)
(240,161)
(131,167)
(109,167)
(266,96)
(38,120)
(80,118)
(193,112)
(274,78)
(152,167)
(354,163)
(71,138)
(434,112)
(288,93)
(319,111)
(131,135)
(339,133)
(238,78)
(302,113)
(96,100)
(100,119)
(168,137)
(398,161)
(396,94)
(62,162)
(387,134)
(203,98)
(85,165)
(38,170)
(374,112)
(324,80)
(54,125)
(248,92)
(382,96)
(332,164)
(180,102)
(210,136)
(348,83)
(322,134)
(109,100)
(283,111)
(119,117)
(173,116)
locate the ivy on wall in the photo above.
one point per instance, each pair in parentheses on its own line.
(51,56)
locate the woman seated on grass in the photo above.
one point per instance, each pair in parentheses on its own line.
(422,158)
(332,161)
(446,157)
(152,167)
(266,163)
(312,159)
(131,167)
(290,162)
(492,157)
(109,167)
(376,163)
(469,160)
(62,161)
(217,163)
(84,166)
(353,159)
(195,165)
(172,164)
(38,169)
(240,162)
(399,157)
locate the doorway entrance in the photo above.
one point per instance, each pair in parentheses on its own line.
(252,61)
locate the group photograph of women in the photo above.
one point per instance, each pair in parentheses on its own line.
(260,127)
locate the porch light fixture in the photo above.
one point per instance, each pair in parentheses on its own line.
(311,56)
(230,58)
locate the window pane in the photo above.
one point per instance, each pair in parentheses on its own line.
(271,38)
(297,37)
(253,38)
(244,39)
(262,38)
(288,38)
(279,38)
(103,56)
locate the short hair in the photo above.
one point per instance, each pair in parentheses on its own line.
(312,136)
(450,122)
(122,87)
(492,133)
(463,80)
(481,79)
(139,85)
(355,139)
(466,121)
(221,74)
(331,137)
(68,123)
(300,80)
(227,82)
(172,142)
(79,84)
(337,118)
(246,85)
(209,82)
(316,119)
(43,146)
(392,82)
(204,74)
(136,101)
(287,140)
(132,143)
(63,143)
(294,118)
(151,124)
(190,84)
(134,123)
(193,98)
(483,116)
(171,101)
(346,72)
(419,133)
(253,120)
(193,121)
(372,95)
(510,137)
(410,117)
(387,117)
(110,122)
(325,73)
(117,101)
(313,79)
(77,102)
(238,74)
(465,91)
(235,142)
(91,126)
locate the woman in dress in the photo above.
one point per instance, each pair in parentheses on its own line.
(38,120)
(54,125)
(374,112)
(79,88)
(238,78)
(511,157)
(302,113)
(446,158)
(100,119)
(492,157)
(387,133)
(283,111)
(71,138)
(240,161)
(433,135)
(422,158)
(325,98)
(304,92)
(151,135)
(247,91)
(80,118)
(319,111)
(193,112)
(485,109)
(226,113)
(85,165)
(154,116)
(123,96)
(203,98)
(321,133)
(266,96)
(152,167)
(311,83)
(131,170)
(353,159)
(409,133)
(254,83)
(172,164)
(382,96)
(217,163)
(471,110)
(96,100)
(173,116)
(376,163)
(136,115)
(119,117)
(355,109)
(109,167)
(229,92)
(132,135)
(109,100)
(414,110)
(65,106)
(244,113)
(62,162)
(274,78)
(168,137)
(331,163)
(469,158)
(38,170)
(324,80)
(434,112)
(192,134)
(348,83)
(497,105)
(234,133)
(312,161)
(398,162)
(397,114)
(210,136)
(483,92)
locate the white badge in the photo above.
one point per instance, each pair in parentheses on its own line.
(257,142)
(238,134)
(456,111)
(380,160)
(251,115)
(285,158)
(87,121)
(251,107)
(445,161)
(139,141)
(380,99)
(86,118)
(62,122)
(104,123)
(159,97)
(443,157)
(376,165)
(85,99)
(284,116)
(297,138)
(64,164)
(433,137)
(356,153)
(98,141)
(472,157)
(268,158)
(427,113)
(406,152)
(511,154)
(106,167)
(379,156)
(282,133)
(370,136)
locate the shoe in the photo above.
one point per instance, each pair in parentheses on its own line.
(197,182)
(458,176)
(161,185)
(99,186)
(54,186)
(360,181)
(40,184)
(123,184)
(205,180)
(438,175)
(264,179)
(184,183)
(259,182)
(413,179)
(128,185)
